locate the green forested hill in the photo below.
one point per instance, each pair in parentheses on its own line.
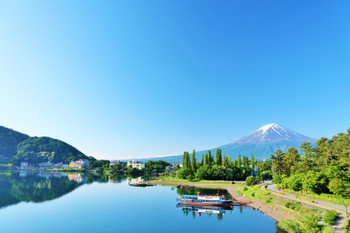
(9,139)
(17,147)
(45,149)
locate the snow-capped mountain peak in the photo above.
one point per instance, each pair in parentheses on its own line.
(272,132)
(265,128)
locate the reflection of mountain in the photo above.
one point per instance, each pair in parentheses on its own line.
(29,187)
(15,188)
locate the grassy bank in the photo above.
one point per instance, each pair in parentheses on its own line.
(166,180)
(322,197)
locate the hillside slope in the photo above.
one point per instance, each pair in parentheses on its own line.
(9,139)
(18,147)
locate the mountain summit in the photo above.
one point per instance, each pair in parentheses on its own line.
(272,133)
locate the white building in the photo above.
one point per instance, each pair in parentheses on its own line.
(117,163)
(135,164)
(82,163)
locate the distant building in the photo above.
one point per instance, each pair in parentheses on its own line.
(170,168)
(46,165)
(117,163)
(81,163)
(135,164)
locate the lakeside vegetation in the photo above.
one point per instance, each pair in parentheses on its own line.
(321,170)
(222,168)
(306,218)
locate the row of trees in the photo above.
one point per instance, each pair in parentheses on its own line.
(151,167)
(323,167)
(220,168)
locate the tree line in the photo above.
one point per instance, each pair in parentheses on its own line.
(323,167)
(220,167)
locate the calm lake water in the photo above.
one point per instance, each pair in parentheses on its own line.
(47,202)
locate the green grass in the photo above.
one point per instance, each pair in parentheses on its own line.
(174,181)
(323,197)
(253,192)
(346,227)
(330,217)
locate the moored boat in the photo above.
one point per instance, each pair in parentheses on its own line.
(198,200)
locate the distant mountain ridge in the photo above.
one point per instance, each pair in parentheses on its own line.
(261,143)
(18,147)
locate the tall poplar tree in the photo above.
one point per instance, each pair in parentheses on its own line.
(211,160)
(206,159)
(239,162)
(252,162)
(188,160)
(218,158)
(194,165)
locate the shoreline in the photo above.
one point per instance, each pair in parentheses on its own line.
(276,213)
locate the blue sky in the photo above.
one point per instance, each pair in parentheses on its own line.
(135,78)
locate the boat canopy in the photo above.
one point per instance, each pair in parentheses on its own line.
(189,196)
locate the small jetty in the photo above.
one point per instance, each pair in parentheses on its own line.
(140,184)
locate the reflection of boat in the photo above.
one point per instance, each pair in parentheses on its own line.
(198,200)
(203,209)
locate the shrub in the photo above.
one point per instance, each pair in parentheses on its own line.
(251,180)
(327,230)
(266,175)
(293,205)
(185,173)
(288,225)
(330,217)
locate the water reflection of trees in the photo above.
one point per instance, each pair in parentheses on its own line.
(204,191)
(39,187)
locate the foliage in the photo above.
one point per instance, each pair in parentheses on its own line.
(295,205)
(323,168)
(45,149)
(310,223)
(7,166)
(291,226)
(330,217)
(94,163)
(251,180)
(265,175)
(185,173)
(156,166)
(9,139)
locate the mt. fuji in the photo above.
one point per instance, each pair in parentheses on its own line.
(261,143)
(272,133)
(264,141)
